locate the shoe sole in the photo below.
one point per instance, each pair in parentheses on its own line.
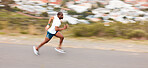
(58,50)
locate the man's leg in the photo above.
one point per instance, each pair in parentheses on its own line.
(59,35)
(45,41)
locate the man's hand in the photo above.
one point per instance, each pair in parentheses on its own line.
(66,26)
(59,29)
(47,27)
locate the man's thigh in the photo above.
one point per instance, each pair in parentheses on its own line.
(59,35)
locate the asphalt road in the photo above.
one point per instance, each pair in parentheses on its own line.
(21,56)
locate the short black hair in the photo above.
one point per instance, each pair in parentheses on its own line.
(59,13)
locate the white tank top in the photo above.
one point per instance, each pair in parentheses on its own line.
(56,22)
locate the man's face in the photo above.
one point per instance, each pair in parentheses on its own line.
(60,16)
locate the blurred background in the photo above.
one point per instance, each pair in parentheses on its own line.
(127,19)
(101,33)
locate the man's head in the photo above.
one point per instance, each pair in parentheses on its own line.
(60,15)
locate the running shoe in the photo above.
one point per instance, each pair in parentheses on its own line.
(60,50)
(35,51)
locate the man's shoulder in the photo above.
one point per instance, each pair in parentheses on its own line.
(52,17)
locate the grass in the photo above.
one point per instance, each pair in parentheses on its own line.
(13,34)
(8,14)
(13,22)
(17,23)
(2,33)
(115,30)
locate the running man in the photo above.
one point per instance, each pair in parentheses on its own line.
(53,31)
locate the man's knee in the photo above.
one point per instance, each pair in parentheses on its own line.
(62,37)
(46,41)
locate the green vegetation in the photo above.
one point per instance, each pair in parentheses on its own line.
(16,23)
(6,3)
(100,5)
(44,14)
(137,34)
(64,2)
(82,15)
(145,9)
(4,14)
(116,29)
(13,23)
(72,12)
(16,9)
(1,33)
(57,9)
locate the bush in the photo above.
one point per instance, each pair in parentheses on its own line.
(100,5)
(145,27)
(110,32)
(72,12)
(1,33)
(57,9)
(16,9)
(44,14)
(24,32)
(86,30)
(81,17)
(130,30)
(146,35)
(137,34)
(94,29)
(3,25)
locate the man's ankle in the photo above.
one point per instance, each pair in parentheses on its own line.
(37,49)
(59,48)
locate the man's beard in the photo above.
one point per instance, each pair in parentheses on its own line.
(60,17)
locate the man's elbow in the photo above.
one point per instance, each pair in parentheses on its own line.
(56,29)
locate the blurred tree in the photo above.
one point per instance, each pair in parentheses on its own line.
(145,9)
(100,5)
(64,2)
(6,3)
(44,14)
(57,9)
(72,12)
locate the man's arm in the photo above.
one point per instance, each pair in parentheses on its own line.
(59,29)
(50,20)
(47,27)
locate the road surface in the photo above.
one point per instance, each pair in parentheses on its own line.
(21,56)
